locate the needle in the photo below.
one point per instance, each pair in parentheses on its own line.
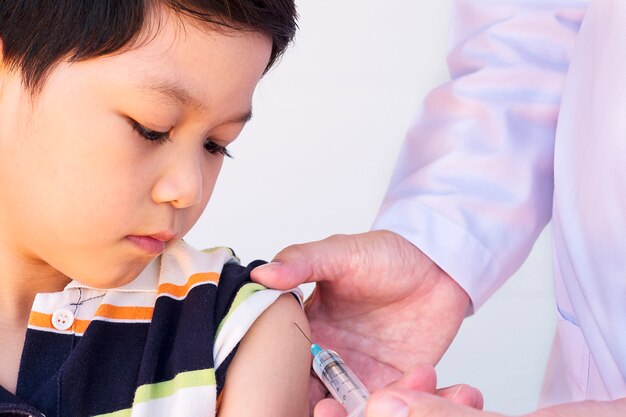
(303,334)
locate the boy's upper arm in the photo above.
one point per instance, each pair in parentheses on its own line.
(269,375)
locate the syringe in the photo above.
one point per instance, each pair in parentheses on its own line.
(342,383)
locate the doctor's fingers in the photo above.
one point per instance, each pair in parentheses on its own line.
(398,402)
(422,377)
(405,405)
(463,394)
(329,408)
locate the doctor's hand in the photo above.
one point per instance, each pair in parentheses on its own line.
(414,395)
(379,301)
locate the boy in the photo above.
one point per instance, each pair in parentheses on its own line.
(114,120)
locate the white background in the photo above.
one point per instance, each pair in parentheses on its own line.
(315,160)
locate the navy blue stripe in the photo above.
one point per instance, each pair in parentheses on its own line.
(220,373)
(43,354)
(101,374)
(233,277)
(181,336)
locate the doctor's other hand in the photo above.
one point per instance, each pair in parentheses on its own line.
(379,302)
(414,395)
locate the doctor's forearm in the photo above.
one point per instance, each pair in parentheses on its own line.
(616,408)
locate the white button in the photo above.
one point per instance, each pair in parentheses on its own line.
(62,319)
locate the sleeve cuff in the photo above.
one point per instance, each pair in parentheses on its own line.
(250,302)
(456,251)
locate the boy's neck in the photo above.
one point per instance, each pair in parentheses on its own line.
(20,280)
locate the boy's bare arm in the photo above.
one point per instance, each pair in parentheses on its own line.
(269,375)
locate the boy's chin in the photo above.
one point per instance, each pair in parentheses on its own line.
(116,277)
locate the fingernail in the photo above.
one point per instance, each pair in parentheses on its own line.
(270,267)
(456,392)
(388,406)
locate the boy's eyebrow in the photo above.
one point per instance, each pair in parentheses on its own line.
(179,94)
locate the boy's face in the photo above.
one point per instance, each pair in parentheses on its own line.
(82,190)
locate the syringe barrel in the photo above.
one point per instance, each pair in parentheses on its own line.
(342,383)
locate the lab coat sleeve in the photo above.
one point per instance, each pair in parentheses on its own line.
(473,184)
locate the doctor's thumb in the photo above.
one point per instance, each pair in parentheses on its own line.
(290,267)
(323,260)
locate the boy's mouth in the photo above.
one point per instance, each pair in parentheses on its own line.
(152,244)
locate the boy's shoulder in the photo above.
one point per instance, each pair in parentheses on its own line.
(188,258)
(184,265)
(183,268)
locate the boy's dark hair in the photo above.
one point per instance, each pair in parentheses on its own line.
(37,34)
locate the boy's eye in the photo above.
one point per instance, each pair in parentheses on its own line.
(162,137)
(150,135)
(213,147)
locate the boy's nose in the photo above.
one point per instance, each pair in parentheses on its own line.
(181,184)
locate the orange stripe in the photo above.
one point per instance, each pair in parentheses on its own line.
(80,326)
(110,311)
(182,290)
(43,320)
(40,319)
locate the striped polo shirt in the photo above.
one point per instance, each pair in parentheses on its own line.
(159,346)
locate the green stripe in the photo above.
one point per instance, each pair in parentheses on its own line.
(224,248)
(242,295)
(165,389)
(183,380)
(217,248)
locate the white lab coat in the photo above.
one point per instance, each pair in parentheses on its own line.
(532,126)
